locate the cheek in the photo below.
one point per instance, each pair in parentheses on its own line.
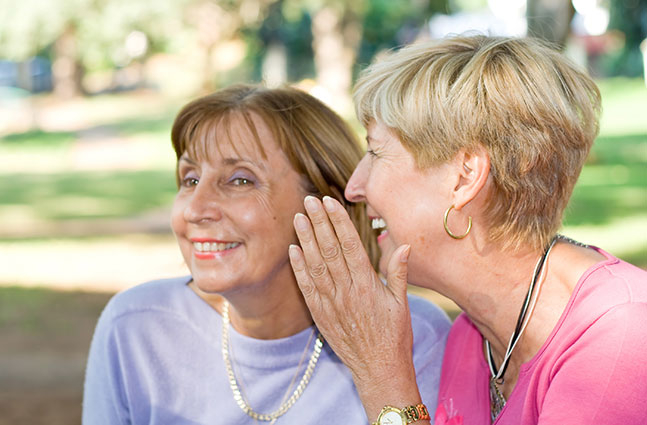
(177,216)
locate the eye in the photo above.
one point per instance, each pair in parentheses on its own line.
(242,178)
(241,181)
(190,181)
(370,152)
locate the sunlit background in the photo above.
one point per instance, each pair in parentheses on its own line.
(88,92)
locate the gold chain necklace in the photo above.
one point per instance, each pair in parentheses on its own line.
(233,383)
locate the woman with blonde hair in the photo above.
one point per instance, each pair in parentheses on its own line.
(474,146)
(234,342)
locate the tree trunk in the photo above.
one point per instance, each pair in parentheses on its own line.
(275,64)
(550,20)
(67,71)
(336,37)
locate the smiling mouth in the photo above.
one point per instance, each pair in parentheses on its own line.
(379,225)
(214,246)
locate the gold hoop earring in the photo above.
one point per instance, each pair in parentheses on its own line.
(449,232)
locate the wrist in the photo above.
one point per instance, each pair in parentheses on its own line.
(397,388)
(403,416)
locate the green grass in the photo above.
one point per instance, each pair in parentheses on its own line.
(87,194)
(624,103)
(609,203)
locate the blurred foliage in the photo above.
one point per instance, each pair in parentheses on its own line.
(98,35)
(629,17)
(391,23)
(112,34)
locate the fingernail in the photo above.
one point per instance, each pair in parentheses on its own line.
(311,203)
(404,256)
(300,222)
(329,203)
(295,258)
(293,252)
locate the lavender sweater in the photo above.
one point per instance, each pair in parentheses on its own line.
(156,358)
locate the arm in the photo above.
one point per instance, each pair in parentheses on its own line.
(602,378)
(365,322)
(103,398)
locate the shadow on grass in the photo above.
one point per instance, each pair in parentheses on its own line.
(158,124)
(45,338)
(86,194)
(39,138)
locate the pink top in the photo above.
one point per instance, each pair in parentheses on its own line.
(592,369)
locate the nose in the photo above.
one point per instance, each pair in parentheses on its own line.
(203,204)
(355,187)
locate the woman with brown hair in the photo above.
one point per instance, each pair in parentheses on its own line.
(234,342)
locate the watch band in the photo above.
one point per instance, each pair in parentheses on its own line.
(416,413)
(407,415)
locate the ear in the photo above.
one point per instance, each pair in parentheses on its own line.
(473,169)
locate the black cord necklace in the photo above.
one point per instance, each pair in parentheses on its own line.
(497,400)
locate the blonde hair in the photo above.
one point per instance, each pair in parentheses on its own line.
(318,143)
(535,113)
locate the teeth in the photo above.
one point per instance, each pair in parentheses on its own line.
(214,246)
(378,223)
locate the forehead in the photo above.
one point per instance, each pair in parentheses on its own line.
(378,132)
(236,134)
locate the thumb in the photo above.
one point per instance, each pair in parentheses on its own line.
(397,270)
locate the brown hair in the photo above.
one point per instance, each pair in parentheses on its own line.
(533,110)
(317,142)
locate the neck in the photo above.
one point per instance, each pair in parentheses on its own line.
(266,313)
(495,296)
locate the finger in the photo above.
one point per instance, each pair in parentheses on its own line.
(356,258)
(315,266)
(329,246)
(320,309)
(306,285)
(397,271)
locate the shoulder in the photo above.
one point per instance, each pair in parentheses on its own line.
(164,295)
(623,281)
(428,318)
(610,289)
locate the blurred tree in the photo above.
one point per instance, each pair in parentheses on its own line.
(345,34)
(630,18)
(29,26)
(336,27)
(216,22)
(392,23)
(285,48)
(550,20)
(80,35)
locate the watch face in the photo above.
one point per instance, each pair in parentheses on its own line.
(391,418)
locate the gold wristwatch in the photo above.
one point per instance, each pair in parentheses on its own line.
(393,416)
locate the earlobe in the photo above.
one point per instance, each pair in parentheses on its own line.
(474,171)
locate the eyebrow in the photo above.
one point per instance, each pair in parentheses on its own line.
(228,161)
